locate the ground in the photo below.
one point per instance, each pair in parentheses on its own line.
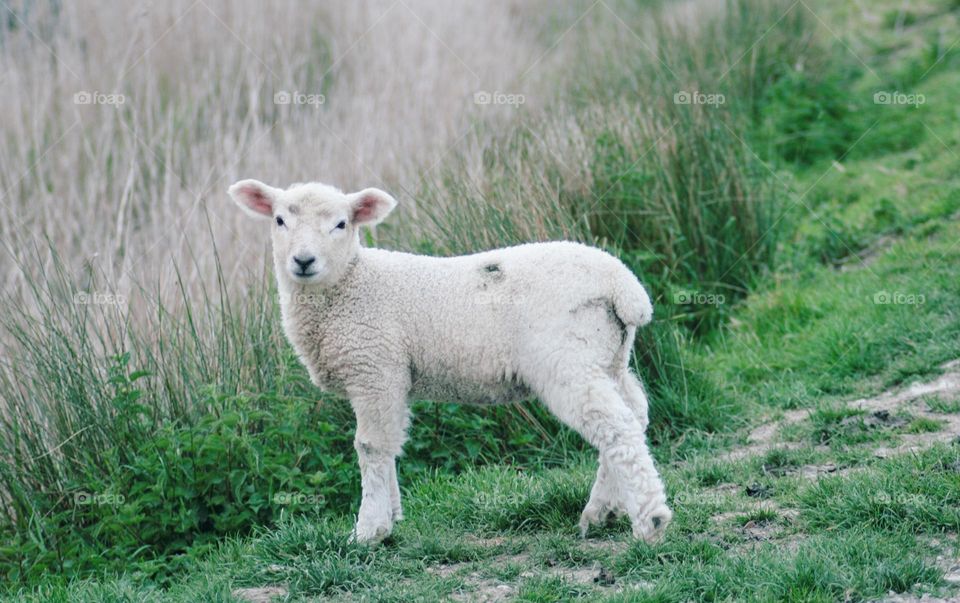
(758,501)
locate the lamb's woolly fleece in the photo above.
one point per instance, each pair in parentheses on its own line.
(555,320)
(470,329)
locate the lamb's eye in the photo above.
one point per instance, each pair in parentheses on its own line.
(342,224)
(280,221)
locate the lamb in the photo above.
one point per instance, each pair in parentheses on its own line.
(552,320)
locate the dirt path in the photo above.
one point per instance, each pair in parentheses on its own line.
(915,399)
(937,400)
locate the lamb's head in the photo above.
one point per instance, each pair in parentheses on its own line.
(315,228)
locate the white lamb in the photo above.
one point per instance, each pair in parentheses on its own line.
(554,320)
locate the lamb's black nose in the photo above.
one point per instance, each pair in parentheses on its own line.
(304,262)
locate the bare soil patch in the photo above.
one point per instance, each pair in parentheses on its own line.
(262,594)
(884,410)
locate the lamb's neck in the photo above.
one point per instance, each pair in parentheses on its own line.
(294,296)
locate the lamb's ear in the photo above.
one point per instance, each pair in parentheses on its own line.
(370,206)
(254,197)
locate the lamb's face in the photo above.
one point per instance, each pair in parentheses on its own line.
(315,227)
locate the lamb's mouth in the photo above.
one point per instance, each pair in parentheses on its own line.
(305,275)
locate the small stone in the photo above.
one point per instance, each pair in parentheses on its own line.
(775,470)
(757,490)
(883,418)
(952,575)
(605,577)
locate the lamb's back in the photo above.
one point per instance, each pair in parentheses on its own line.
(470,316)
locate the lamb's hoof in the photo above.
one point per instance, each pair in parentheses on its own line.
(370,534)
(593,514)
(652,527)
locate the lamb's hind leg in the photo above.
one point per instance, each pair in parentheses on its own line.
(599,413)
(605,497)
(635,396)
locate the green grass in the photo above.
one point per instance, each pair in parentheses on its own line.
(924,425)
(824,334)
(938,404)
(915,494)
(859,536)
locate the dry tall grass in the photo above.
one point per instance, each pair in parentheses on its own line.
(128,187)
(383,92)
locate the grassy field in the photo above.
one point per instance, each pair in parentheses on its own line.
(801,238)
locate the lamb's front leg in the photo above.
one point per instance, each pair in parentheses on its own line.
(395,506)
(381,431)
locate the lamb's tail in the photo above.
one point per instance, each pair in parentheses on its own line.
(632,306)
(630,299)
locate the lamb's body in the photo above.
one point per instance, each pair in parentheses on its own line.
(551,320)
(486,328)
